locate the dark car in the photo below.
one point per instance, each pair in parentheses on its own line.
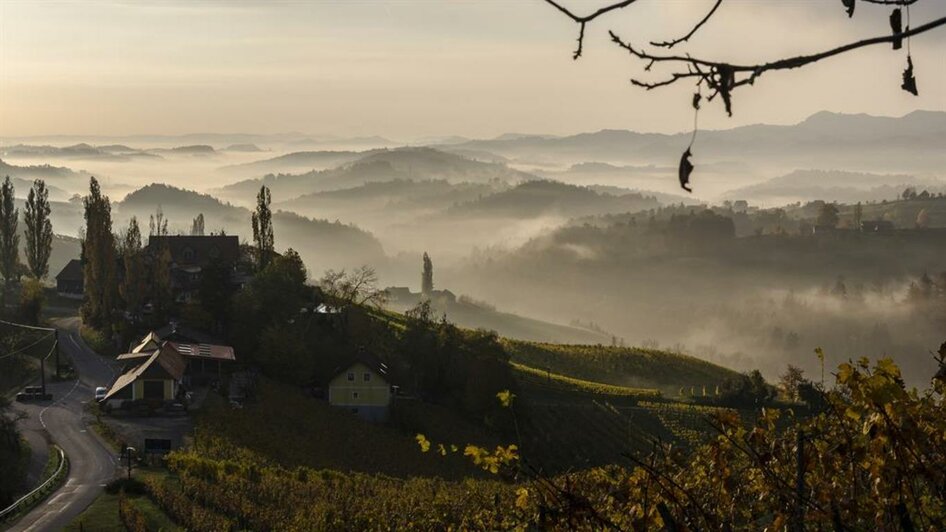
(33,393)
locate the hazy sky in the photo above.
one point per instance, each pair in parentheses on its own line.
(410,68)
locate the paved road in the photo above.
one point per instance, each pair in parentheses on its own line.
(92,464)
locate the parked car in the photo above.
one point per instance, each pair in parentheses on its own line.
(100,393)
(33,393)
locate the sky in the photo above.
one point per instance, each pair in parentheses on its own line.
(412,69)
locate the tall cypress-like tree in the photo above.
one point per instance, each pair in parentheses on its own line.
(99,256)
(9,238)
(263,228)
(133,283)
(427,277)
(39,230)
(197,229)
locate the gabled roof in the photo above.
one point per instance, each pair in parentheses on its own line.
(72,271)
(372,362)
(198,250)
(177,333)
(166,359)
(149,343)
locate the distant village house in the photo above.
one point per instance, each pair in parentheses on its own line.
(363,388)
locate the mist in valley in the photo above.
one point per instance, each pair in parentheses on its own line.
(587,234)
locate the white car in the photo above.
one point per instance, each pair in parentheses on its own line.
(100,393)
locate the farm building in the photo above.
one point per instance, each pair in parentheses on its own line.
(203,358)
(150,376)
(69,281)
(363,388)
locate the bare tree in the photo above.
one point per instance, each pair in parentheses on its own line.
(358,287)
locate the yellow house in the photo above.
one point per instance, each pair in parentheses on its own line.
(362,388)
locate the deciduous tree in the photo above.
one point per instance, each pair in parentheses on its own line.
(427,276)
(39,230)
(9,238)
(133,283)
(263,228)
(99,260)
(197,228)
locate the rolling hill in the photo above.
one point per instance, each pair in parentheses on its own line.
(390,198)
(379,165)
(551,198)
(831,185)
(321,243)
(295,162)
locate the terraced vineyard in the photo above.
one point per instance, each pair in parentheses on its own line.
(626,367)
(540,377)
(687,422)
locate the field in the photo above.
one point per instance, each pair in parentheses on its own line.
(292,430)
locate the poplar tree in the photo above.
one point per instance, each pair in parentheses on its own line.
(99,260)
(158,225)
(263,228)
(133,284)
(9,239)
(39,230)
(197,229)
(427,276)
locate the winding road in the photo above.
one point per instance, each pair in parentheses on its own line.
(66,422)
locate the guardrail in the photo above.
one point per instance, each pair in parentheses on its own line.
(40,491)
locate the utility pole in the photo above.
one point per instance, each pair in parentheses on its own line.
(42,375)
(56,347)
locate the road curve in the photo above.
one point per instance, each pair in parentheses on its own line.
(91,463)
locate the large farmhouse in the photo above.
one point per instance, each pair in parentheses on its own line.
(158,369)
(192,255)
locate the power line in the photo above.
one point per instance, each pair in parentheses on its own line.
(27,347)
(24,326)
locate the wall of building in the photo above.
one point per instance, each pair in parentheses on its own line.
(374,392)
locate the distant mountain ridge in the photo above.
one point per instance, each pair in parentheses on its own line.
(855,142)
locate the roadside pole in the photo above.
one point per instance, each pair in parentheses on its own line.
(56,344)
(42,374)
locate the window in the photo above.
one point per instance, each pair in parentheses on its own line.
(367,377)
(188,254)
(351,376)
(354,395)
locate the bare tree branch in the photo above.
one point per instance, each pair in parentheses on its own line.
(582,20)
(671,44)
(722,77)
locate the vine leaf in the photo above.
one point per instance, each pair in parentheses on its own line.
(686,168)
(909,82)
(896,24)
(849,4)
